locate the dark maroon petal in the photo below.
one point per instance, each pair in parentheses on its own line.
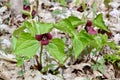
(89,23)
(27,8)
(44,42)
(33,13)
(92,31)
(49,36)
(38,37)
(87,28)
(80,9)
(24,16)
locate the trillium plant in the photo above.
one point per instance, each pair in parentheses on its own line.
(89,29)
(28,11)
(44,38)
(34,37)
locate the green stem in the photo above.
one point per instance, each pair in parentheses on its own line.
(41,55)
(30,13)
(39,62)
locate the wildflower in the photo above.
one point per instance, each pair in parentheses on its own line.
(89,29)
(27,8)
(44,38)
(81,8)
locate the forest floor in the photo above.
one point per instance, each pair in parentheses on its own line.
(11,19)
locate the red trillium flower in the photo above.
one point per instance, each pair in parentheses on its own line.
(27,8)
(89,23)
(89,29)
(44,38)
(80,8)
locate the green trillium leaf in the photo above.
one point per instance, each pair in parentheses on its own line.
(99,22)
(80,42)
(43,27)
(56,49)
(26,45)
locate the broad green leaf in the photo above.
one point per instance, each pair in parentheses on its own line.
(105,41)
(85,38)
(43,27)
(111,44)
(59,42)
(99,22)
(104,38)
(99,41)
(85,35)
(18,31)
(77,47)
(75,21)
(14,41)
(69,24)
(56,49)
(66,26)
(81,42)
(26,45)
